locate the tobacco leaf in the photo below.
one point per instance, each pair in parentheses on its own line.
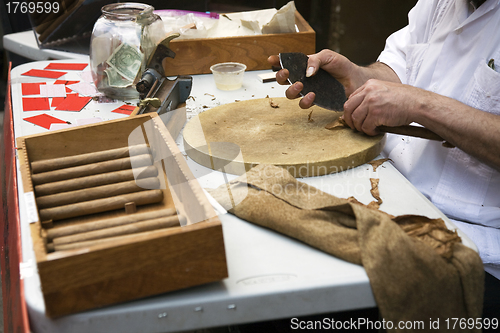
(309,117)
(338,123)
(374,191)
(272,104)
(375,164)
(373,205)
(431,231)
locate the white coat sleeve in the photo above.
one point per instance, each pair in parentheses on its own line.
(394,53)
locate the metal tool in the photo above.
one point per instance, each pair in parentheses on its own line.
(158,93)
(332,98)
(330,94)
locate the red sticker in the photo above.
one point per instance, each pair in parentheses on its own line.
(66,66)
(43,73)
(58,100)
(125,109)
(35,103)
(73,103)
(44,120)
(31,88)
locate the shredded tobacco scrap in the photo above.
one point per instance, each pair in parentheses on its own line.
(273,105)
(375,192)
(338,123)
(433,232)
(375,164)
(372,205)
(309,117)
(430,231)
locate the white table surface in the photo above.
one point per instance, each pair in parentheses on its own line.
(270,275)
(24,44)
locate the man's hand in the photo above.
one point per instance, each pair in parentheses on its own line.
(377,97)
(294,90)
(379,103)
(335,64)
(346,72)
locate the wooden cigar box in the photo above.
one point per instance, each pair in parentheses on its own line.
(195,56)
(122,267)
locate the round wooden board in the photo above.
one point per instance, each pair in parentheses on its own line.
(281,135)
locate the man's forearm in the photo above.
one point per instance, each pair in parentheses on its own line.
(377,70)
(474,131)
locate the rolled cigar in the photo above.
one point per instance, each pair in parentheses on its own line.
(82,159)
(108,223)
(132,228)
(92,169)
(104,191)
(95,180)
(118,239)
(100,205)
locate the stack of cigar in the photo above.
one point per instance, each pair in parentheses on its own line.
(85,184)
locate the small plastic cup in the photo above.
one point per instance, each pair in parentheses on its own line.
(228,75)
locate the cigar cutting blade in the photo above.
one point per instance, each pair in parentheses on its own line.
(330,93)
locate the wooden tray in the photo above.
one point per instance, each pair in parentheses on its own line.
(195,56)
(146,264)
(284,135)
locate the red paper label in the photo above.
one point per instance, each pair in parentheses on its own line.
(58,100)
(73,103)
(43,73)
(31,88)
(66,66)
(35,103)
(44,120)
(125,109)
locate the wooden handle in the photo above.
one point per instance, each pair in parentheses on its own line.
(415,131)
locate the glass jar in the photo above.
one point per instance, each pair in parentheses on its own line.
(122,41)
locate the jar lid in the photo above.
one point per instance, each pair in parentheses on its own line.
(127,10)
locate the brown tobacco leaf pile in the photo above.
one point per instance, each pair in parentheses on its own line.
(431,231)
